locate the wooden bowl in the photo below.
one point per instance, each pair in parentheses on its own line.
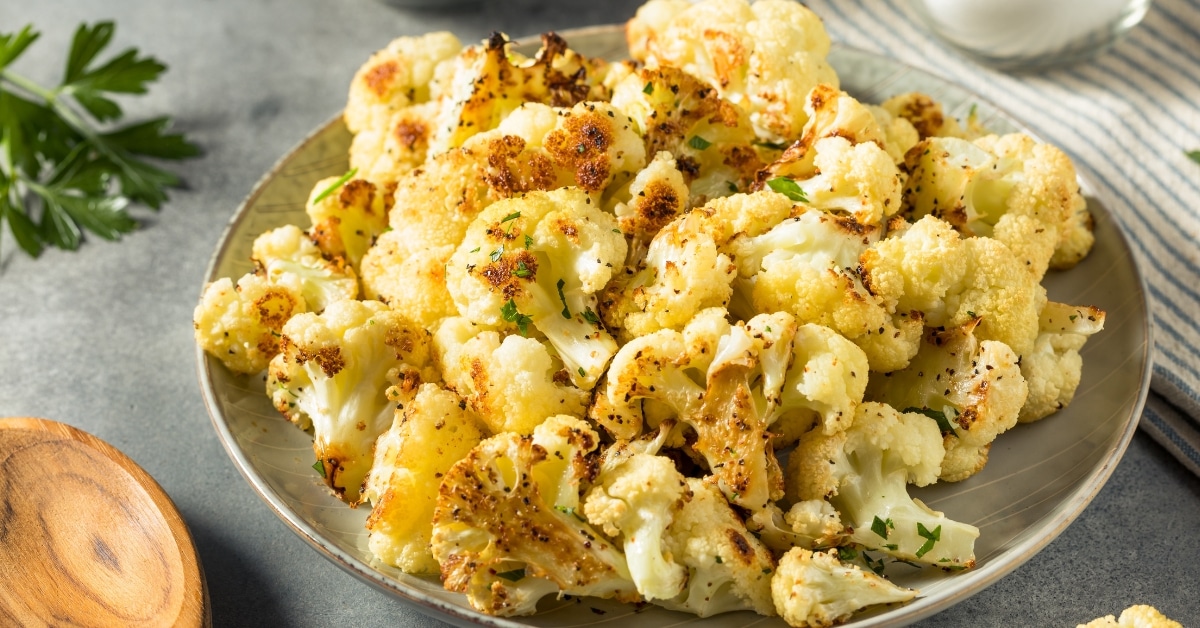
(87,537)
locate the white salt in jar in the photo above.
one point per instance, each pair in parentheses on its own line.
(1031,34)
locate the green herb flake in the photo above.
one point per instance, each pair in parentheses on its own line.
(943,422)
(649,88)
(876,566)
(733,188)
(770,145)
(497,254)
(528,241)
(788,188)
(699,143)
(566,311)
(847,554)
(512,576)
(1194,155)
(617,231)
(582,373)
(719,560)
(880,527)
(1073,317)
(971,314)
(891,546)
(334,186)
(511,314)
(931,537)
(319,467)
(511,217)
(590,316)
(522,270)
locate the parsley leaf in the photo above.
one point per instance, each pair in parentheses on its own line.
(319,466)
(1194,155)
(788,188)
(566,311)
(334,186)
(590,316)
(930,538)
(511,314)
(880,527)
(512,576)
(699,143)
(942,420)
(63,170)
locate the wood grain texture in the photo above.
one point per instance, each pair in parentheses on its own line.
(87,537)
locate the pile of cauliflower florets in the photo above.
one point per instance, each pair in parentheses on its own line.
(679,330)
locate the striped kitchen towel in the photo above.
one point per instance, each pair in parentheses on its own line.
(1127,117)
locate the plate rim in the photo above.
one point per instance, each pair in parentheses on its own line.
(920,608)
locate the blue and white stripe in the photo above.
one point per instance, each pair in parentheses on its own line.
(1126,117)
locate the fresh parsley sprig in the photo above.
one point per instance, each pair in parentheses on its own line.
(65,168)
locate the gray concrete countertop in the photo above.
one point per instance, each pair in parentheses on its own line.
(102,338)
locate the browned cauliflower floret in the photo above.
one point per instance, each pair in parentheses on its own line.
(335,371)
(409,277)
(1053,367)
(952,280)
(711,139)
(428,435)
(815,589)
(396,77)
(240,325)
(286,256)
(506,530)
(347,216)
(513,383)
(974,390)
(763,57)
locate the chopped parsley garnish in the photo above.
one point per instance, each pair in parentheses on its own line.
(880,527)
(847,554)
(512,576)
(943,422)
(582,373)
(522,270)
(733,188)
(771,145)
(511,217)
(528,241)
(649,88)
(590,316)
(495,255)
(872,564)
(566,311)
(699,143)
(719,560)
(335,185)
(510,314)
(1194,155)
(930,538)
(788,188)
(319,467)
(475,250)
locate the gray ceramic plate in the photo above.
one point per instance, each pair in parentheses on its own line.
(1040,476)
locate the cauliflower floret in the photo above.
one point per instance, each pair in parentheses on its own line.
(539,259)
(682,274)
(858,179)
(656,196)
(863,472)
(346,217)
(763,57)
(396,77)
(831,113)
(972,185)
(428,435)
(711,139)
(287,256)
(383,154)
(240,325)
(512,384)
(928,117)
(409,277)
(825,380)
(899,134)
(591,146)
(815,589)
(728,568)
(1052,369)
(505,530)
(335,370)
(974,390)
(635,502)
(730,432)
(806,265)
(1136,616)
(952,280)
(488,82)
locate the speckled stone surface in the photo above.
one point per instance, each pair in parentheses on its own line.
(102,338)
